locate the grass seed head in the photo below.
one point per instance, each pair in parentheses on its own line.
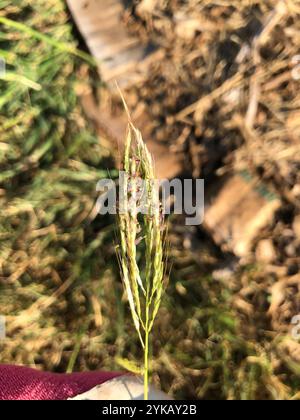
(143,280)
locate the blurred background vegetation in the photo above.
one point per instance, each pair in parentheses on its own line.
(59,279)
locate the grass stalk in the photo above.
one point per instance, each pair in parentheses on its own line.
(141,234)
(146,367)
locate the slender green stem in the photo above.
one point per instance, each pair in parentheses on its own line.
(146,366)
(146,348)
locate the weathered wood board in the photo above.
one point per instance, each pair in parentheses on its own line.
(121,57)
(237,210)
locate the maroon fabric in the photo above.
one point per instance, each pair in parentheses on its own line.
(21,383)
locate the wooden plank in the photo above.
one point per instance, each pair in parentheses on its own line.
(237,209)
(121,58)
(119,54)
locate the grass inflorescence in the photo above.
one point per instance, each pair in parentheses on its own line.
(144,284)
